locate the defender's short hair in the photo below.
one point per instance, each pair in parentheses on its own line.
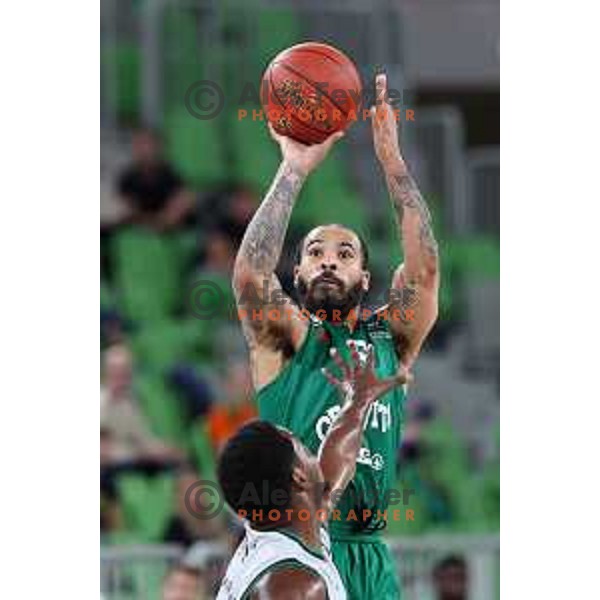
(258,456)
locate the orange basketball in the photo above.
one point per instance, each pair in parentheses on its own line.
(310,91)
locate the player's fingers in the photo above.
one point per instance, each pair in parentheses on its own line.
(380,92)
(337,359)
(392,382)
(273,133)
(403,376)
(370,364)
(381,88)
(375,123)
(355,357)
(331,140)
(332,379)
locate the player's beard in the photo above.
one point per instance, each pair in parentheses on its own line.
(316,298)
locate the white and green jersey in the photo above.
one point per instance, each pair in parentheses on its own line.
(261,552)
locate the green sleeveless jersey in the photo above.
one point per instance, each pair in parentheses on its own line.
(303,401)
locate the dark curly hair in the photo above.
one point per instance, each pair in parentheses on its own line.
(258,458)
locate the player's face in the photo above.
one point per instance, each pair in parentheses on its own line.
(330,275)
(308,462)
(308,475)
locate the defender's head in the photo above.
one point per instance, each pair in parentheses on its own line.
(331,271)
(261,456)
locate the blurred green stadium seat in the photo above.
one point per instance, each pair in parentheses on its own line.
(408,484)
(148,274)
(277,29)
(148,579)
(147,503)
(162,343)
(195,148)
(161,407)
(183,60)
(220,305)
(328,197)
(475,257)
(107,299)
(257,156)
(202,450)
(121,63)
(274,29)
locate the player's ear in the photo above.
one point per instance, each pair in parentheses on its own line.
(300,477)
(366,280)
(296,273)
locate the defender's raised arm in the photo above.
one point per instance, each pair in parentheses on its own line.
(360,387)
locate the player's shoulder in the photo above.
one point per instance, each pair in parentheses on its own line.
(290,582)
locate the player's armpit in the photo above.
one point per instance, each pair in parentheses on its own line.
(411,312)
(290,584)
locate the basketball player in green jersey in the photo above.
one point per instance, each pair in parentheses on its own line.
(288,351)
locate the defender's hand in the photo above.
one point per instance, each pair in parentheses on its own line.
(385,128)
(359,383)
(301,157)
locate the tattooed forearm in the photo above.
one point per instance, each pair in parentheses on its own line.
(264,237)
(409,204)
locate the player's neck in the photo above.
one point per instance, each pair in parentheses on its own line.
(305,530)
(308,531)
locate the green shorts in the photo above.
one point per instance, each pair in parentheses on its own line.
(368,569)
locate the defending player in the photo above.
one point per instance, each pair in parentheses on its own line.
(287,353)
(285,554)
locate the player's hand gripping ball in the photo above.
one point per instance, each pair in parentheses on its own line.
(311,91)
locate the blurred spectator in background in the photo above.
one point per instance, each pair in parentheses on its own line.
(418,468)
(215,260)
(211,560)
(194,389)
(150,188)
(235,408)
(188,523)
(450,579)
(219,255)
(111,327)
(184,583)
(230,210)
(126,442)
(434,462)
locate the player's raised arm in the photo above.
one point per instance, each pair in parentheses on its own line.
(261,247)
(419,275)
(360,387)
